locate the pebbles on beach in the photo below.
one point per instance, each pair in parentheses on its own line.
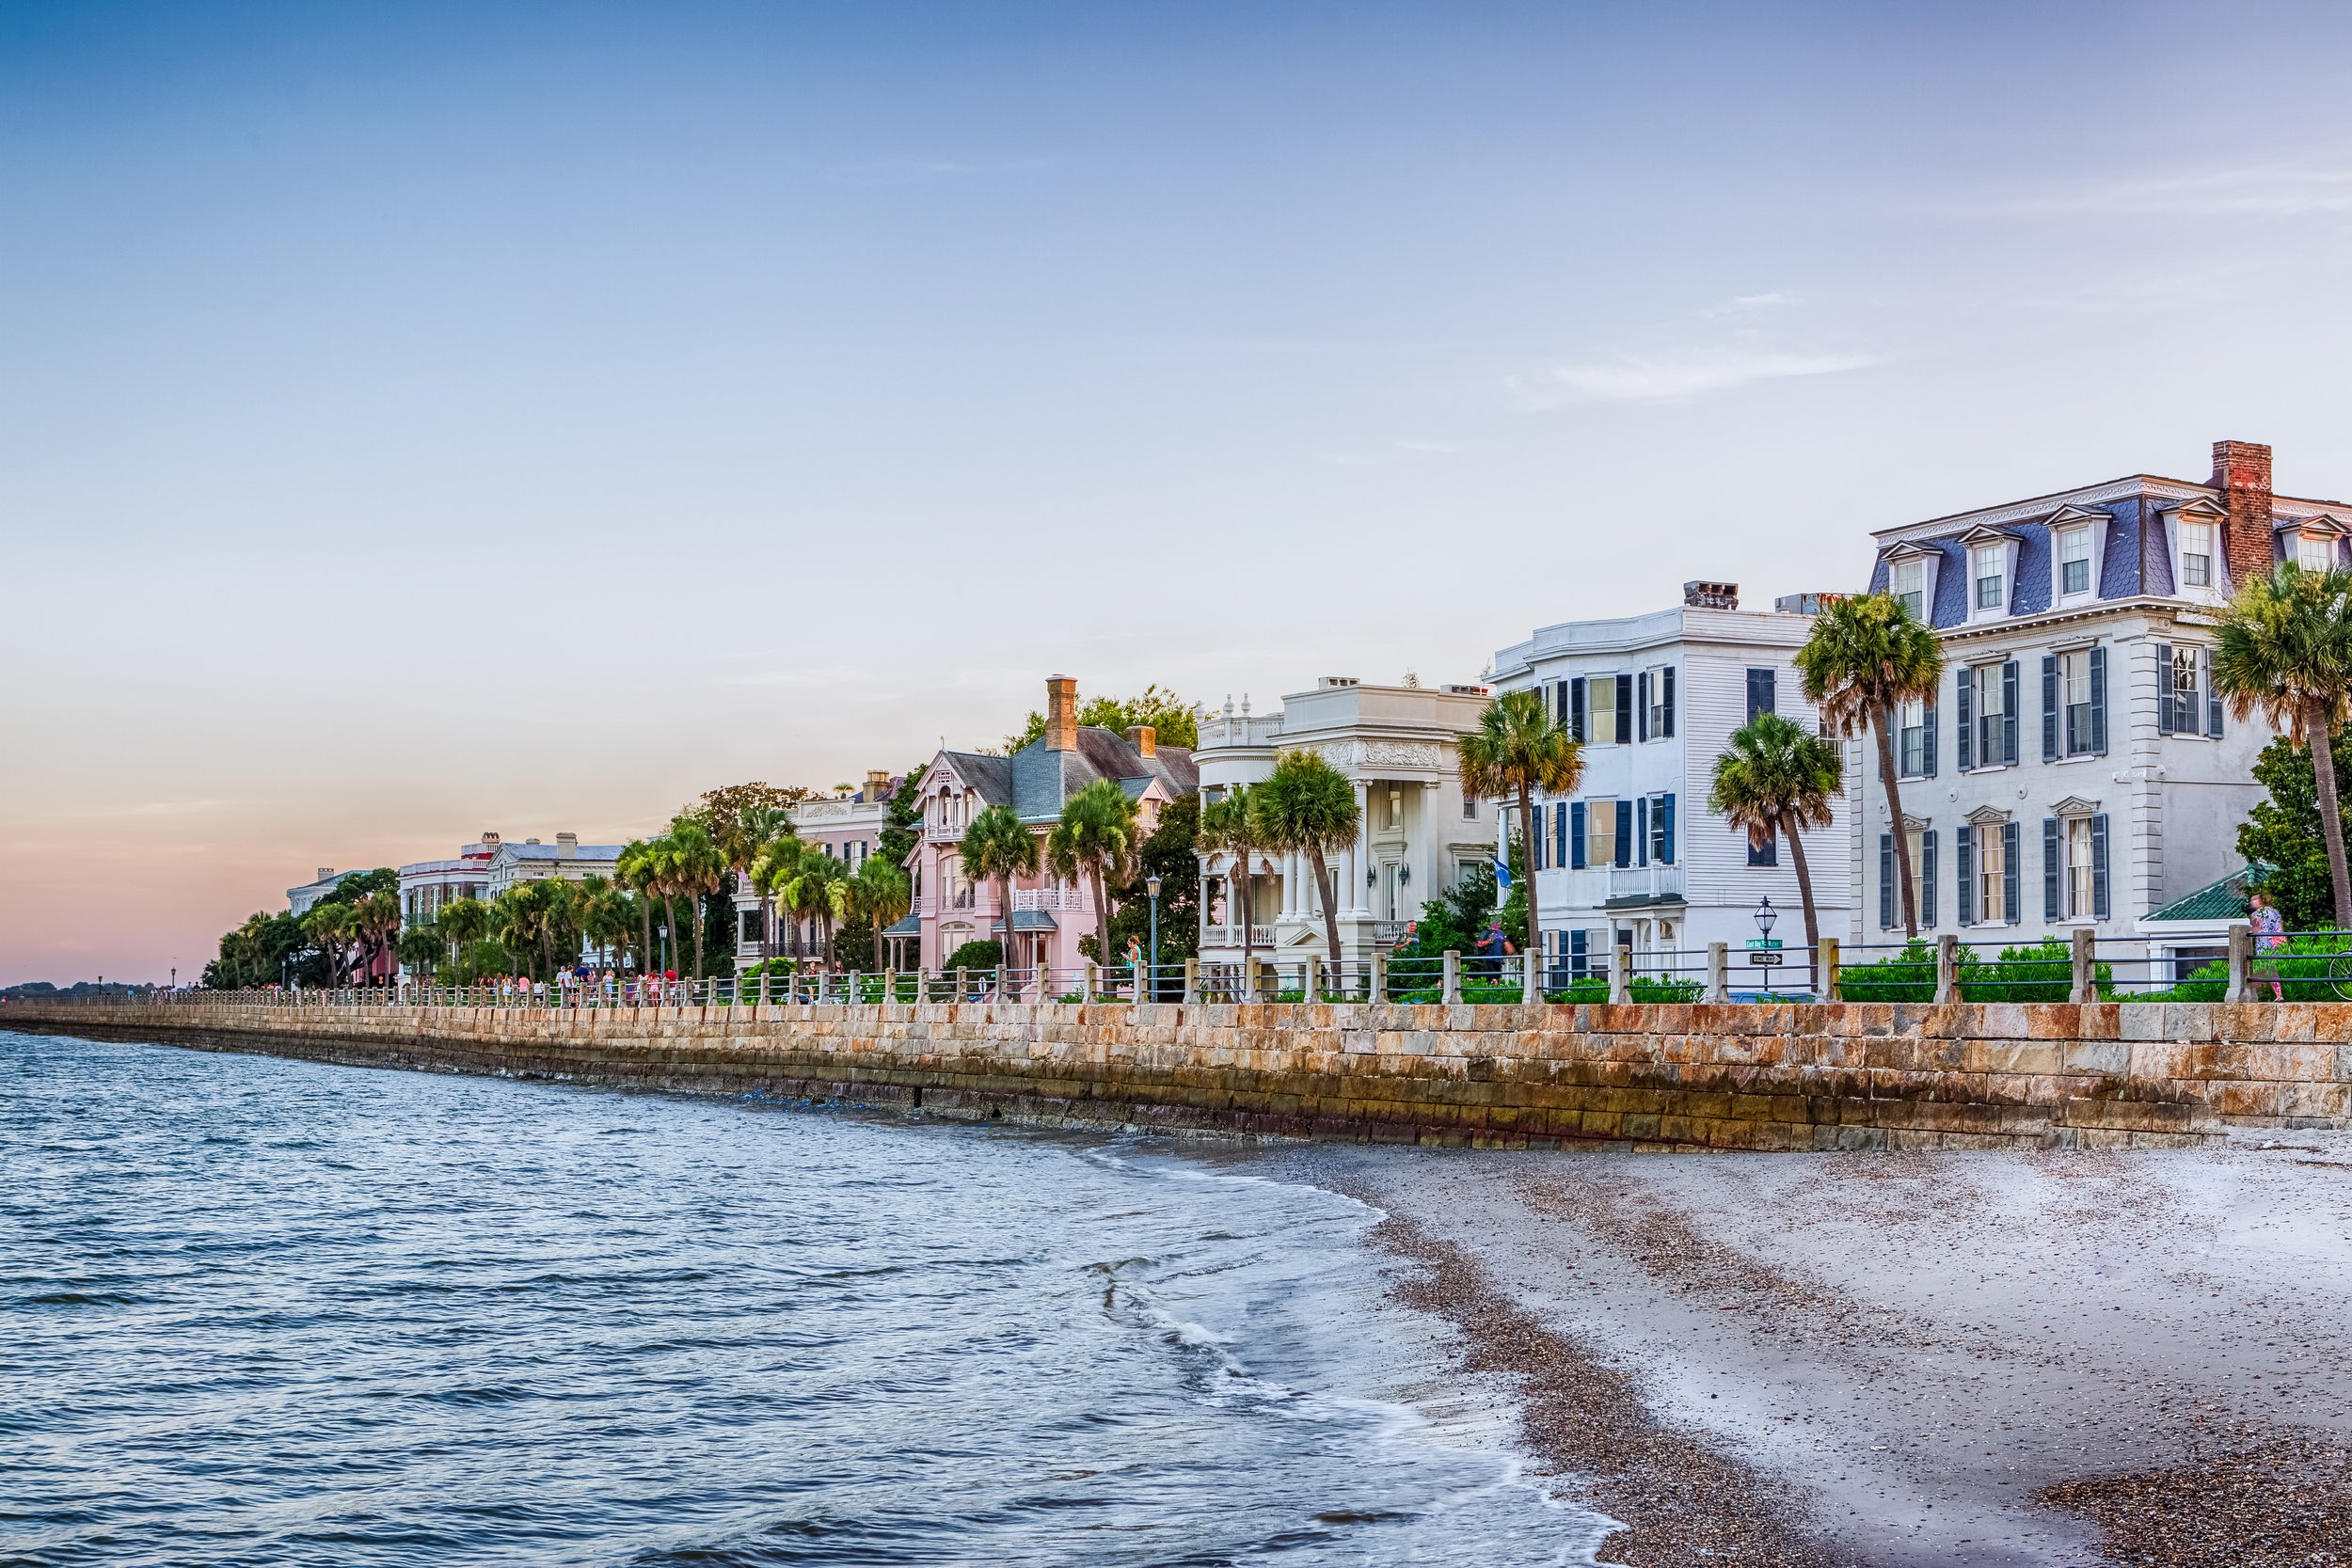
(2281,1503)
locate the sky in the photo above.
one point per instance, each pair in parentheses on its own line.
(418,421)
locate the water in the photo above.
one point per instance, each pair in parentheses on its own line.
(255,1311)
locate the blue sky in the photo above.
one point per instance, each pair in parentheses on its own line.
(421,420)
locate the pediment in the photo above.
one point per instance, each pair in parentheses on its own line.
(1985,534)
(1916,824)
(2075,805)
(1911,549)
(2200,506)
(2073,514)
(1987,816)
(2323,524)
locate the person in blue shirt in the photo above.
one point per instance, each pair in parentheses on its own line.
(1494,946)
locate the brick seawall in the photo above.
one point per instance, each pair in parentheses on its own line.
(1840,1075)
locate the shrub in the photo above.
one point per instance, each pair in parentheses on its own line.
(973,955)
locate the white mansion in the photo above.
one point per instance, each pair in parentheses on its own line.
(2077,768)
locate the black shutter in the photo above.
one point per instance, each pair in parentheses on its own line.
(1667,675)
(1965,701)
(1560,702)
(1666,827)
(2049,708)
(2099,865)
(1575,836)
(1641,706)
(1928,718)
(1964,859)
(2011,882)
(2213,698)
(1560,832)
(2050,868)
(1578,963)
(1887,881)
(1641,830)
(1927,878)
(2099,701)
(1625,708)
(2009,713)
(2166,720)
(1625,828)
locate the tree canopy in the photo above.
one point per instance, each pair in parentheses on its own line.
(1174,721)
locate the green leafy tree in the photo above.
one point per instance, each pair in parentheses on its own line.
(772,870)
(464,922)
(974,955)
(1094,840)
(2282,838)
(997,846)
(1174,721)
(421,949)
(696,867)
(1518,749)
(1307,807)
(1226,826)
(879,895)
(1171,852)
(818,890)
(903,820)
(638,868)
(2285,650)
(1778,777)
(331,928)
(1867,656)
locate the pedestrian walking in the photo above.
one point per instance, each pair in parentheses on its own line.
(2270,936)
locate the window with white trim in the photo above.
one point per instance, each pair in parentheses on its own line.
(2074,701)
(2196,555)
(2314,553)
(1985,564)
(2080,889)
(1992,876)
(1910,723)
(1911,588)
(1601,832)
(2074,561)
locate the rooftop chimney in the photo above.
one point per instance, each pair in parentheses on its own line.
(876,785)
(2241,472)
(324,872)
(1061,713)
(490,841)
(1711,595)
(1145,740)
(566,845)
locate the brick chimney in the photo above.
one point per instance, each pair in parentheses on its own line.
(1061,713)
(324,872)
(2241,472)
(876,786)
(1145,740)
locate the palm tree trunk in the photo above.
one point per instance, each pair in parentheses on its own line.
(669,930)
(1895,810)
(698,934)
(2330,813)
(1238,897)
(1527,837)
(1331,910)
(1804,896)
(1102,916)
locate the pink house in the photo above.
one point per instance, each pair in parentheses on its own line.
(1047,917)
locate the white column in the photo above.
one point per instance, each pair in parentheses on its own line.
(1357,901)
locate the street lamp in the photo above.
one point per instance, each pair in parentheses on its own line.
(1765,917)
(1152,886)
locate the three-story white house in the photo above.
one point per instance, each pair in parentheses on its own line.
(1633,856)
(2078,768)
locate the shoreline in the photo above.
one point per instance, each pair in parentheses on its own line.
(1906,1360)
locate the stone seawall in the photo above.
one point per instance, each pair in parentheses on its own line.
(1838,1075)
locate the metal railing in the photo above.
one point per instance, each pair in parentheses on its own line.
(2084,966)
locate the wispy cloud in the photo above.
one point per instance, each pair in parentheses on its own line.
(1633,378)
(2254,191)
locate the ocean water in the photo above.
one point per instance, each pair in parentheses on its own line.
(255,1311)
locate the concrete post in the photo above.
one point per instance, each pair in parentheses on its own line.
(1380,990)
(1453,993)
(763,985)
(1249,979)
(2241,960)
(1192,980)
(890,985)
(1087,982)
(1531,976)
(2078,987)
(1621,973)
(1830,966)
(1718,971)
(1946,969)
(1310,979)
(963,984)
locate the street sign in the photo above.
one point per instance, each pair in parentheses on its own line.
(1770,943)
(1764,960)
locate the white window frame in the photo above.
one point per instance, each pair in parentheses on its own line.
(1987,678)
(1911,720)
(2073,538)
(1992,871)
(2073,671)
(1978,576)
(2308,542)
(2076,879)
(1656,718)
(1595,813)
(1918,566)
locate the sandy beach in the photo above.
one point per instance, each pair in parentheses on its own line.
(1908,1359)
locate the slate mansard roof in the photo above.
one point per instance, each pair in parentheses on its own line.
(2135,559)
(1037,781)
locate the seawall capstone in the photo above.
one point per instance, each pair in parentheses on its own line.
(1657,1076)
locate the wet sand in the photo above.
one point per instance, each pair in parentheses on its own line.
(1908,1359)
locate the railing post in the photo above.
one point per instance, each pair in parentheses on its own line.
(1718,971)
(1250,983)
(2241,960)
(890,985)
(1086,981)
(1531,976)
(1311,978)
(1378,989)
(1192,980)
(2080,986)
(1946,969)
(964,983)
(1829,963)
(1621,972)
(1453,972)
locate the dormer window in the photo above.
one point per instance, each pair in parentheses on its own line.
(2196,554)
(2074,561)
(2314,553)
(1985,568)
(1911,588)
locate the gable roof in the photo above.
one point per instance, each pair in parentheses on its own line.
(2221,900)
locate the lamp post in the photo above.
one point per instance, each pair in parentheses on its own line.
(1152,886)
(1765,917)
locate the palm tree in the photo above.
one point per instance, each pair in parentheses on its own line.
(998,845)
(1518,749)
(464,922)
(773,868)
(1866,657)
(1308,806)
(638,869)
(818,890)
(331,928)
(376,921)
(880,893)
(1228,828)
(419,948)
(2285,650)
(1094,839)
(750,835)
(1779,778)
(698,868)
